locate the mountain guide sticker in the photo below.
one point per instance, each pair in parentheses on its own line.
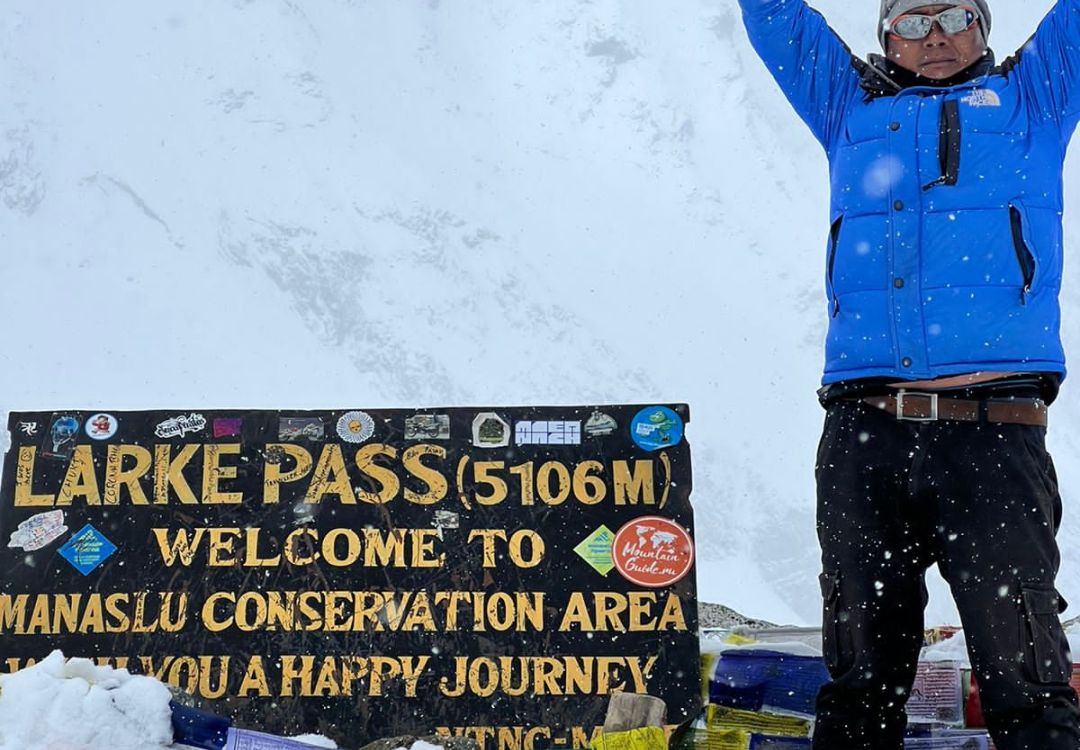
(652,551)
(656,428)
(87,549)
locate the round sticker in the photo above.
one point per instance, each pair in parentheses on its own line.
(656,428)
(355,426)
(102,426)
(653,551)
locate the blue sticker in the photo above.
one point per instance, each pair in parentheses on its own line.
(656,428)
(87,549)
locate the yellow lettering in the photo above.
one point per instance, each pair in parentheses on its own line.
(389,484)
(488,536)
(609,605)
(291,672)
(181,545)
(13,613)
(80,480)
(209,611)
(352,547)
(634,486)
(117,477)
(251,551)
(544,482)
(273,477)
(221,545)
(292,541)
(331,477)
(380,549)
(588,488)
(326,685)
(254,680)
(577,613)
(423,549)
(536,548)
(436,482)
(672,617)
(169,472)
(24,479)
(214,472)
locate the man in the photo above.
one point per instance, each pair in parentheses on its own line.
(943,269)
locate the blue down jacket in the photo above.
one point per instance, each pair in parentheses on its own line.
(945,252)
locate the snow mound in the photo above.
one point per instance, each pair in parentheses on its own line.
(75,705)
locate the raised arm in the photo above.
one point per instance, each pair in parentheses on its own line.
(1048,66)
(809,61)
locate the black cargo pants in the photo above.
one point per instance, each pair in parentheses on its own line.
(981,501)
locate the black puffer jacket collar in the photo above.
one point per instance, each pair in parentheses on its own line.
(880,77)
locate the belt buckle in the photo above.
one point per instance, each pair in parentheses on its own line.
(902,394)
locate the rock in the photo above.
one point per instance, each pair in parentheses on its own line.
(719,616)
(628,711)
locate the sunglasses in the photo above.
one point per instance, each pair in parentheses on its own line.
(952,21)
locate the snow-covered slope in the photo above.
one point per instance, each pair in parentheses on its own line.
(276,203)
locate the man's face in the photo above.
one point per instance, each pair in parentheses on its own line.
(939,55)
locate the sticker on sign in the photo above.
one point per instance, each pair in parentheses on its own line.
(653,551)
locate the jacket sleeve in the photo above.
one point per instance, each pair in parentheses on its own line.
(812,65)
(1048,66)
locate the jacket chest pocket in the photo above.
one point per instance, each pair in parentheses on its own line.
(867,121)
(991,110)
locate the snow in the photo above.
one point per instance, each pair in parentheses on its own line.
(281,204)
(317,740)
(794,648)
(950,649)
(74,704)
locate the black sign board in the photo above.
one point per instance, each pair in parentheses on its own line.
(493,572)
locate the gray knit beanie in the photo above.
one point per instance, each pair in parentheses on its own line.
(891,9)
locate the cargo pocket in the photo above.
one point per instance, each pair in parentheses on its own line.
(1046,651)
(836,639)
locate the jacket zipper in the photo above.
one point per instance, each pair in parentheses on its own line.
(1023,253)
(948,145)
(834,238)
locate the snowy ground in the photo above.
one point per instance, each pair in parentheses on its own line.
(72,704)
(228,203)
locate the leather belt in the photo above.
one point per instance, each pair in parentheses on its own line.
(921,406)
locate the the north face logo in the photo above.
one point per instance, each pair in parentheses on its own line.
(982,98)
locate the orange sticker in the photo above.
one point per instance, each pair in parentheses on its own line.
(653,551)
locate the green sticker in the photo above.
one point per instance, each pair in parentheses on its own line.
(595,549)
